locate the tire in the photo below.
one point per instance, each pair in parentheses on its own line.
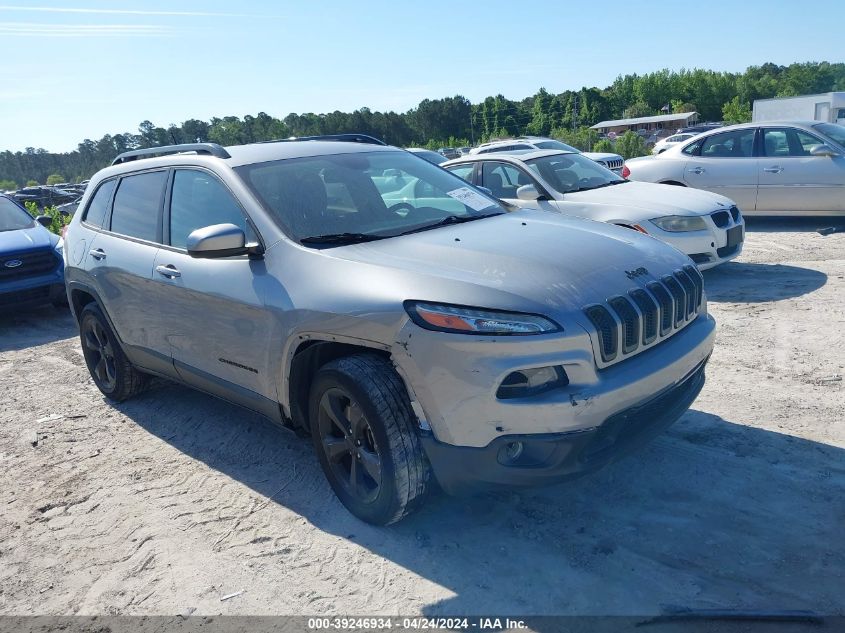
(375,465)
(111,371)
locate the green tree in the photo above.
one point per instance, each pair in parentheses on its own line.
(31,183)
(604,145)
(637,109)
(631,145)
(679,105)
(8,185)
(57,219)
(736,111)
(55,179)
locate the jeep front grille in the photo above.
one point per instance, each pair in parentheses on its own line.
(628,324)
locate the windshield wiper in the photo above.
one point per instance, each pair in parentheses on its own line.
(450,219)
(606,184)
(341,238)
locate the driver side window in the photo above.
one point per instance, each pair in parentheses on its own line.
(199,200)
(502,179)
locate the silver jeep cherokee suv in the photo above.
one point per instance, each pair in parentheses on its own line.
(408,322)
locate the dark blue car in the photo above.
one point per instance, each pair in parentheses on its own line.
(31,266)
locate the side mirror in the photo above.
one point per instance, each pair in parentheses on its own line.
(528,193)
(218,240)
(44,220)
(823,150)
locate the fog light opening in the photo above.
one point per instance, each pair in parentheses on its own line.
(511,452)
(531,382)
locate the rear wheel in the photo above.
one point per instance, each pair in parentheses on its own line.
(111,371)
(363,432)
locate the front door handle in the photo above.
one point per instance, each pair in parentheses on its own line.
(773,170)
(696,170)
(168,271)
(97,254)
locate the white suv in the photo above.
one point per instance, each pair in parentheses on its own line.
(613,162)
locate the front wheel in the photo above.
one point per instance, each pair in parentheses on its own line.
(363,432)
(112,372)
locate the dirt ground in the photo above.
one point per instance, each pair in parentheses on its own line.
(173,501)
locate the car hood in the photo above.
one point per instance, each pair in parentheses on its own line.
(653,198)
(527,260)
(601,156)
(26,239)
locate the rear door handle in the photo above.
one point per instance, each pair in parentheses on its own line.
(97,254)
(773,170)
(168,271)
(696,170)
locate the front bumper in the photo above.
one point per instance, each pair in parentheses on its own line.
(551,458)
(33,290)
(453,380)
(707,248)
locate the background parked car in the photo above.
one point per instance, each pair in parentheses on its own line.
(613,162)
(430,155)
(778,168)
(449,152)
(700,128)
(707,227)
(662,145)
(31,264)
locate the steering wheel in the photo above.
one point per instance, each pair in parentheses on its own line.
(402,206)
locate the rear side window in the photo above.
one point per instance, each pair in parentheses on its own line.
(733,144)
(136,205)
(200,200)
(99,205)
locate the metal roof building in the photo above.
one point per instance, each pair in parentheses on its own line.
(658,122)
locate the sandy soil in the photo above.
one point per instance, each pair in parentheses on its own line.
(168,503)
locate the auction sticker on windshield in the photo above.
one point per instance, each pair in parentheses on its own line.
(467,196)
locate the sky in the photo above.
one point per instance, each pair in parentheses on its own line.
(84,68)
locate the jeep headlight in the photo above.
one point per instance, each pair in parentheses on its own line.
(464,320)
(680,223)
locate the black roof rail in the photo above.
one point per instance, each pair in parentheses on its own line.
(212,149)
(346,138)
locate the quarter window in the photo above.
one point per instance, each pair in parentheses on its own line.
(734,144)
(692,149)
(137,204)
(99,206)
(198,200)
(464,171)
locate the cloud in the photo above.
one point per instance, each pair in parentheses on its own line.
(28,29)
(201,14)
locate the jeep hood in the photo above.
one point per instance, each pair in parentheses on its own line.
(526,260)
(651,200)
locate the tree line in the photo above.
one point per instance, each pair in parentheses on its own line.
(454,121)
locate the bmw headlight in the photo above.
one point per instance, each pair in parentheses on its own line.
(680,223)
(464,320)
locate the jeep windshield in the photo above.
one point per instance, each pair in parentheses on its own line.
(567,173)
(339,199)
(12,217)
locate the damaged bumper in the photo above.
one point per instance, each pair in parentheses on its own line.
(454,380)
(536,460)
